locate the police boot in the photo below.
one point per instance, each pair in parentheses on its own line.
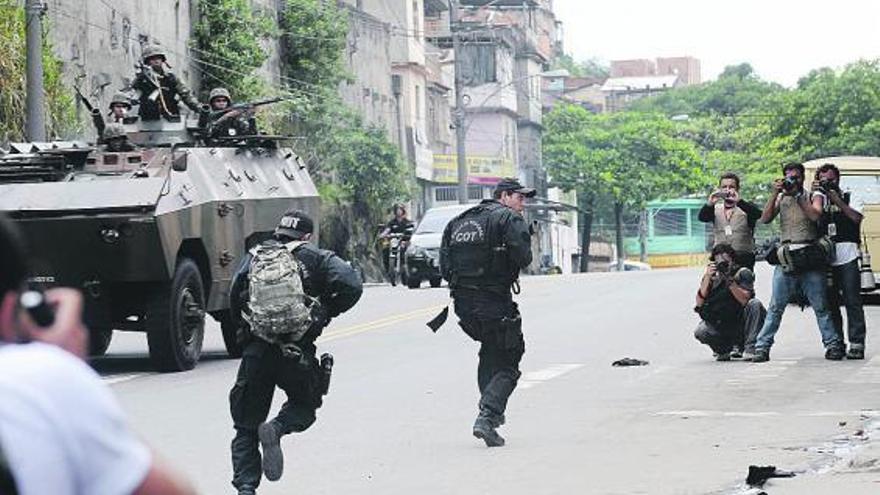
(273,457)
(484,429)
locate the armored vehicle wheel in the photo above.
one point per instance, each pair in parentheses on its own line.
(176,320)
(99,341)
(229,334)
(435,282)
(414,283)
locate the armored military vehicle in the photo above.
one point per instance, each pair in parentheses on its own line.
(152,237)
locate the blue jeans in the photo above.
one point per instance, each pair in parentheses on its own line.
(785,288)
(847,291)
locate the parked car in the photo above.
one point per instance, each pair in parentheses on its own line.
(422,258)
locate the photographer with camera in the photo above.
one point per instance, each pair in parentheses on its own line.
(841,222)
(727,305)
(801,261)
(733,219)
(61,429)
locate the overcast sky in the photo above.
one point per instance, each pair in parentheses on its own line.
(782,39)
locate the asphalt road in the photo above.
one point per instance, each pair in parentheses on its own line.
(402,401)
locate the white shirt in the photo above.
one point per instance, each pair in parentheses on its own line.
(61,428)
(844,252)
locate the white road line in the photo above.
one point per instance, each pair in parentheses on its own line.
(529,380)
(114,379)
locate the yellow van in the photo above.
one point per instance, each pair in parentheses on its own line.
(860,176)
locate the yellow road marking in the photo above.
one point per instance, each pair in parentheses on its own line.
(380,323)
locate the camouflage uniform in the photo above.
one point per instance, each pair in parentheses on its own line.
(231,123)
(159,90)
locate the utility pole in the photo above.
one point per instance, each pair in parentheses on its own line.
(35,125)
(460,130)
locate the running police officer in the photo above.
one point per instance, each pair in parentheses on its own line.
(481,255)
(282,284)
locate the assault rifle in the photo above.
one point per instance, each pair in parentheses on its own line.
(245,107)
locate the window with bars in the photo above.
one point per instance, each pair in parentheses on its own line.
(671,222)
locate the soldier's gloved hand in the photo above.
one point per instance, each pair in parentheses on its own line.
(320,315)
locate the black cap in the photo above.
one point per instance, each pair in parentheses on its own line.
(511,184)
(295,224)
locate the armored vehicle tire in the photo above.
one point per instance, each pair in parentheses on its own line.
(435,282)
(230,340)
(99,341)
(175,320)
(414,283)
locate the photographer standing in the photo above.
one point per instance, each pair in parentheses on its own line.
(61,429)
(842,222)
(727,305)
(733,219)
(802,261)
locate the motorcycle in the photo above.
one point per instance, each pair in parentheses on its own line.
(394,246)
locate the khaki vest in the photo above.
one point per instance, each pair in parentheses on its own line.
(741,236)
(796,226)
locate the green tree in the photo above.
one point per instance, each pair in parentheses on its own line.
(626,158)
(61,121)
(359,172)
(227,44)
(829,113)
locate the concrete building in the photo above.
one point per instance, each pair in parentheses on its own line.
(558,87)
(686,68)
(632,68)
(371,92)
(620,91)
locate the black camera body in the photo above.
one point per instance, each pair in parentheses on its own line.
(723,267)
(789,184)
(828,185)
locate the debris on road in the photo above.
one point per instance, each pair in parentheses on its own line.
(630,362)
(760,474)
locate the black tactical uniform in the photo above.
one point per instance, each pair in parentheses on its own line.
(263,367)
(482,253)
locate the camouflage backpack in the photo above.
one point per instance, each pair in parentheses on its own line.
(278,302)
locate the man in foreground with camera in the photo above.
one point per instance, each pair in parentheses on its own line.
(841,222)
(802,261)
(733,219)
(61,429)
(283,294)
(727,305)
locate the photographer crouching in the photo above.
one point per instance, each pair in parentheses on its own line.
(727,305)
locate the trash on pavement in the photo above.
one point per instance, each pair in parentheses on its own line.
(630,362)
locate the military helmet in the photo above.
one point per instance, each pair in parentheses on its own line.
(120,98)
(151,51)
(219,93)
(113,131)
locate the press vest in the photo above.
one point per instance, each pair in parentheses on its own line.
(797,228)
(846,229)
(741,236)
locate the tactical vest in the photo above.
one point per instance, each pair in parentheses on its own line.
(797,228)
(477,257)
(741,236)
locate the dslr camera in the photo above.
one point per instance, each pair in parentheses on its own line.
(789,184)
(828,185)
(723,267)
